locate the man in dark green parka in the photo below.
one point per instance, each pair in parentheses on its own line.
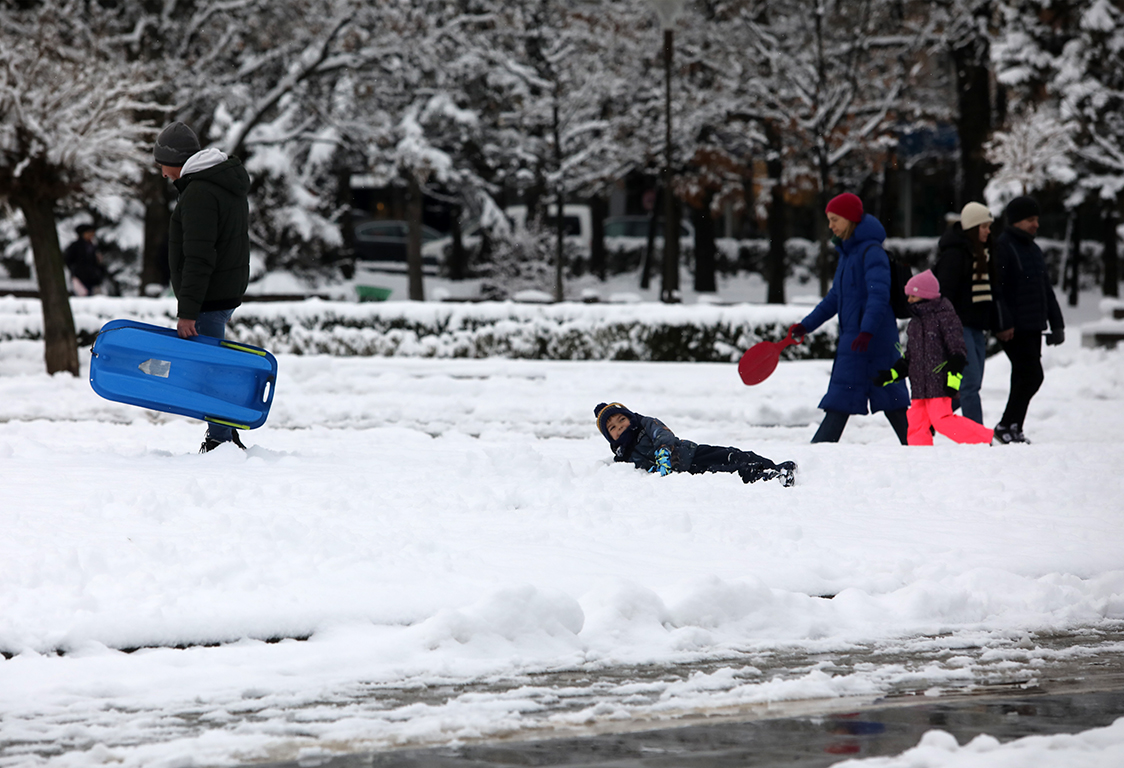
(208,240)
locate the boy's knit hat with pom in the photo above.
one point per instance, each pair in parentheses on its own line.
(606,411)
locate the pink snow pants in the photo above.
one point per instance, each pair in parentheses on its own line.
(937,412)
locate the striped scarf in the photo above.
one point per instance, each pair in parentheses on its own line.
(981,283)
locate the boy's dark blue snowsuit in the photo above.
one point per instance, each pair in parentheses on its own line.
(645,437)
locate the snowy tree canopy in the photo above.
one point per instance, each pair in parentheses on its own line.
(67,110)
(1033,152)
(1070,57)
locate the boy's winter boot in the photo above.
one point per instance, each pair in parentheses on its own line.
(785,472)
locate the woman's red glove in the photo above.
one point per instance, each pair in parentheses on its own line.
(861,342)
(797,331)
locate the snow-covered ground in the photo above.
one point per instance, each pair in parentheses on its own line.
(418,525)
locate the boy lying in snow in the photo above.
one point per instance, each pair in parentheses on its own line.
(648,444)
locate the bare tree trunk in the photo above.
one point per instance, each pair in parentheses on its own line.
(749,220)
(973,123)
(154,259)
(560,248)
(599,209)
(650,248)
(560,197)
(823,259)
(705,248)
(778,218)
(458,261)
(1074,266)
(60,342)
(669,288)
(1111,285)
(823,234)
(414,238)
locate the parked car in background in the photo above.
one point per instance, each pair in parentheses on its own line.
(637,226)
(577,220)
(380,246)
(577,223)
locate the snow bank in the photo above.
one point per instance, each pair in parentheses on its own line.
(1095,748)
(565,331)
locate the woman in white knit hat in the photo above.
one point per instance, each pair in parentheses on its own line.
(966,273)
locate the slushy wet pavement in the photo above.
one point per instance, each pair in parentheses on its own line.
(811,741)
(1077,684)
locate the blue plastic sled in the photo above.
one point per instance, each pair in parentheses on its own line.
(219,381)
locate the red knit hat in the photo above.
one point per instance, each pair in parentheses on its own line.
(848,206)
(924,285)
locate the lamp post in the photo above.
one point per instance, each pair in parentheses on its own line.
(668,10)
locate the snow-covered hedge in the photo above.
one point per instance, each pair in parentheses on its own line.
(625,254)
(568,331)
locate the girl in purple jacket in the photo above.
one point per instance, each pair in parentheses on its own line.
(934,360)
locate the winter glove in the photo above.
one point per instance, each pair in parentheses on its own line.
(797,331)
(663,462)
(1055,337)
(861,342)
(952,384)
(900,369)
(956,363)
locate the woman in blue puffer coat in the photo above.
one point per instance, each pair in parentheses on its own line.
(868,332)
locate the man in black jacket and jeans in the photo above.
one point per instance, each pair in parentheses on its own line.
(208,240)
(1027,298)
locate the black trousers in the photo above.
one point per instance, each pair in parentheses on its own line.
(831,428)
(713,458)
(1024,350)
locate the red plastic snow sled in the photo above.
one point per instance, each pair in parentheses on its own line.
(214,380)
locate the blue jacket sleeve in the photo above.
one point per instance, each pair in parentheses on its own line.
(876,273)
(653,436)
(660,435)
(824,311)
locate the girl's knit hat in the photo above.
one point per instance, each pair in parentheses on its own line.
(924,285)
(974,214)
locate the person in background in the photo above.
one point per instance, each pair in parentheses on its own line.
(208,241)
(934,361)
(966,273)
(1027,303)
(868,331)
(84,262)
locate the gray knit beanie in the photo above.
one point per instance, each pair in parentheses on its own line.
(175,144)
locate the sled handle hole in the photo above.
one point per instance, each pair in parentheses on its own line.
(265,391)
